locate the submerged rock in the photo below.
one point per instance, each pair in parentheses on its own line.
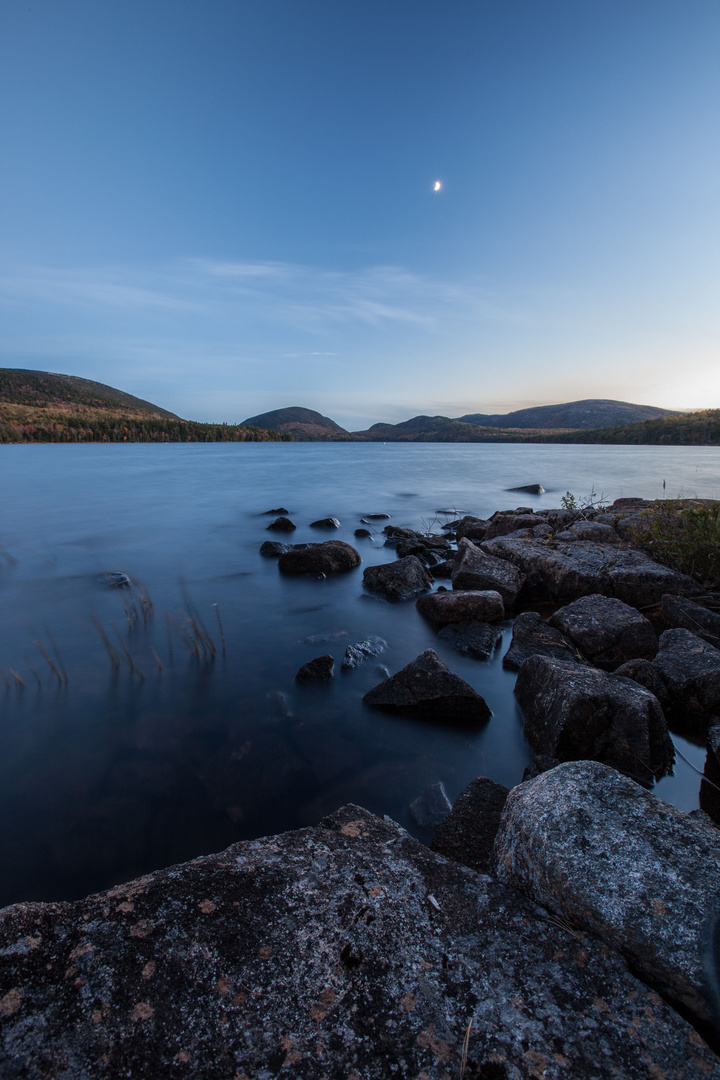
(342,949)
(272,549)
(444,608)
(606,631)
(472,637)
(360,651)
(331,557)
(533,637)
(574,712)
(601,852)
(529,489)
(400,580)
(319,668)
(432,806)
(467,834)
(362,532)
(427,689)
(282,524)
(325,523)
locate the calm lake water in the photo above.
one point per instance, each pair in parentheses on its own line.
(118,771)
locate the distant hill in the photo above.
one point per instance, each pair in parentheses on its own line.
(304,425)
(44,388)
(40,406)
(424,429)
(587,414)
(680,429)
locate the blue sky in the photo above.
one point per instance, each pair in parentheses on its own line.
(226,206)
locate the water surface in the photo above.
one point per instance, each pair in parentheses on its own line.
(173,754)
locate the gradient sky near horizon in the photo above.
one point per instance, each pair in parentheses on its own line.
(227,206)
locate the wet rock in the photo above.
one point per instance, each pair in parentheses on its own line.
(606,631)
(278,510)
(646,674)
(574,712)
(431,807)
(339,949)
(319,668)
(430,555)
(690,669)
(363,532)
(540,763)
(476,570)
(282,524)
(272,549)
(467,834)
(442,569)
(279,704)
(533,637)
(472,637)
(561,571)
(427,689)
(678,611)
(529,489)
(361,651)
(471,528)
(331,557)
(399,580)
(502,524)
(589,530)
(325,523)
(610,857)
(444,608)
(377,517)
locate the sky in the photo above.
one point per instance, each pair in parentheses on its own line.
(227,206)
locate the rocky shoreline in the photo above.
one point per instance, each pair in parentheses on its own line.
(567,928)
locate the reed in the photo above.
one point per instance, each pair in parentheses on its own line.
(52,666)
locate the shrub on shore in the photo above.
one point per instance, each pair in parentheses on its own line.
(683,537)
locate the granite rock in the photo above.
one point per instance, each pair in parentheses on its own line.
(443,608)
(427,689)
(467,834)
(606,631)
(532,636)
(331,557)
(474,569)
(690,669)
(400,580)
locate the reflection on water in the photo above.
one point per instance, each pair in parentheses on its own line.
(144,725)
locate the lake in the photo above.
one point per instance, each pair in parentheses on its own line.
(125,746)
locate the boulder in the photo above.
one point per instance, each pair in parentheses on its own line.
(377,517)
(471,528)
(325,523)
(678,611)
(347,949)
(607,856)
(467,834)
(360,651)
(472,637)
(282,524)
(400,580)
(529,489)
(589,530)
(443,608)
(320,668)
(332,557)
(476,570)
(646,674)
(574,712)
(606,631)
(690,669)
(540,763)
(562,571)
(362,532)
(277,510)
(442,569)
(427,689)
(271,549)
(533,637)
(431,807)
(502,524)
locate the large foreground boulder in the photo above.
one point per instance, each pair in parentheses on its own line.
(574,712)
(427,689)
(690,669)
(562,571)
(474,569)
(345,950)
(606,631)
(400,580)
(601,852)
(332,557)
(444,608)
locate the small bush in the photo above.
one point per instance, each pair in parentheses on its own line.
(685,538)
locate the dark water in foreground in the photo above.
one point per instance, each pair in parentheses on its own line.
(172,755)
